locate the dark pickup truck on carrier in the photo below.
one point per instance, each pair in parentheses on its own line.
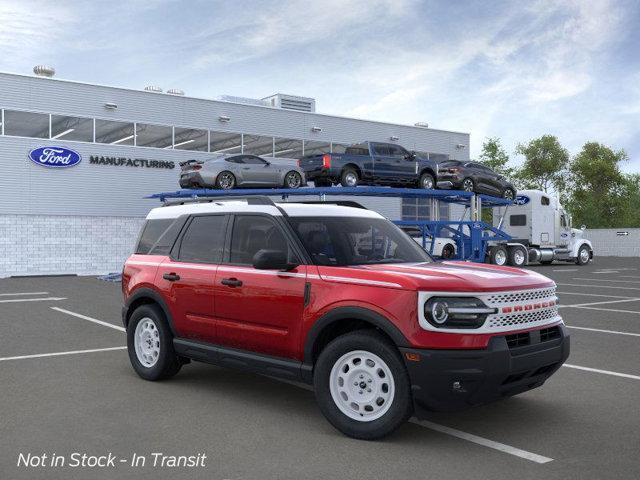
(371,163)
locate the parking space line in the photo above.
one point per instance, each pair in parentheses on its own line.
(606,372)
(89,319)
(609,310)
(485,442)
(22,293)
(592,295)
(599,303)
(604,331)
(565,270)
(58,354)
(596,286)
(606,280)
(48,299)
(534,457)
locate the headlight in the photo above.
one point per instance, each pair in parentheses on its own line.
(456,312)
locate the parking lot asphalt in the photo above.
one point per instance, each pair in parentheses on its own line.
(583,423)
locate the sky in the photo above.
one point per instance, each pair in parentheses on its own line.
(514,70)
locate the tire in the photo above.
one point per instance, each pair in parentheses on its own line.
(152,363)
(292,180)
(517,257)
(427,182)
(448,251)
(584,255)
(349,178)
(509,194)
(468,185)
(322,182)
(498,255)
(379,355)
(225,180)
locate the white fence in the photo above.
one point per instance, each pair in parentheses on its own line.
(614,242)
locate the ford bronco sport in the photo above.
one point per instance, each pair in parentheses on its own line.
(340,298)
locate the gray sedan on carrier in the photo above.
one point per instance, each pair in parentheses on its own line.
(241,170)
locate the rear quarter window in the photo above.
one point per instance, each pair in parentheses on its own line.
(151,233)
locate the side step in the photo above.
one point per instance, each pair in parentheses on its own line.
(243,360)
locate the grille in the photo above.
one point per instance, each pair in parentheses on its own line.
(547,334)
(518,340)
(511,297)
(523,318)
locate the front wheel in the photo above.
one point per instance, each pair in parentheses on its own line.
(293,180)
(427,181)
(150,344)
(584,255)
(361,385)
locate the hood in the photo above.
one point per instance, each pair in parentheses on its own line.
(440,276)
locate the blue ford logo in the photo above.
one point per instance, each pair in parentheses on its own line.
(56,157)
(521,200)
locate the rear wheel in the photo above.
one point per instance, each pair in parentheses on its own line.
(362,386)
(508,194)
(150,344)
(498,255)
(293,180)
(225,180)
(517,256)
(468,185)
(427,181)
(349,178)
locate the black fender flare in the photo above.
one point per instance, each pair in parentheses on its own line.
(351,313)
(146,293)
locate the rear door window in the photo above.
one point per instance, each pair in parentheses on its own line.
(252,233)
(203,241)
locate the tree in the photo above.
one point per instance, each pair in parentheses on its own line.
(545,164)
(599,191)
(495,157)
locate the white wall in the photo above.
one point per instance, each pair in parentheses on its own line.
(54,244)
(608,243)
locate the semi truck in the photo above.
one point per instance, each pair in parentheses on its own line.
(540,231)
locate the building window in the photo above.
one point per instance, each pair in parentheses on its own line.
(157,136)
(26,124)
(72,128)
(224,142)
(258,145)
(114,133)
(287,148)
(419,209)
(312,147)
(191,139)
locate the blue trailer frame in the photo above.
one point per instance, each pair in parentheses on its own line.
(472,237)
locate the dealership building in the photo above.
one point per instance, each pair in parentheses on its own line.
(85,218)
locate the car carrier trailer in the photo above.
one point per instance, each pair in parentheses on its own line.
(475,240)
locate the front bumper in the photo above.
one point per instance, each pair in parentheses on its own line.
(448,380)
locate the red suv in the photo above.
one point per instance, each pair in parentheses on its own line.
(340,298)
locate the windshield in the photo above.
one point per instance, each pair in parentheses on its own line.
(345,241)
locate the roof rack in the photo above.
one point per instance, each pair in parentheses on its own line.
(341,203)
(250,199)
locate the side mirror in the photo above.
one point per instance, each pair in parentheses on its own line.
(583,227)
(272,260)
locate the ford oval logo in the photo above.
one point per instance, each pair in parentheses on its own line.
(55,157)
(521,200)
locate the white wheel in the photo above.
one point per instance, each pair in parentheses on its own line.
(362,385)
(147,342)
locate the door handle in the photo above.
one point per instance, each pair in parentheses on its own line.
(172,277)
(246,168)
(231,282)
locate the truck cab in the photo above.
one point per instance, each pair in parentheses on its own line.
(538,221)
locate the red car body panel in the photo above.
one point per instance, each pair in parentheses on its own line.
(267,313)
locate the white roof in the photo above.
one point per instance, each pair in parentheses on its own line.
(240,206)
